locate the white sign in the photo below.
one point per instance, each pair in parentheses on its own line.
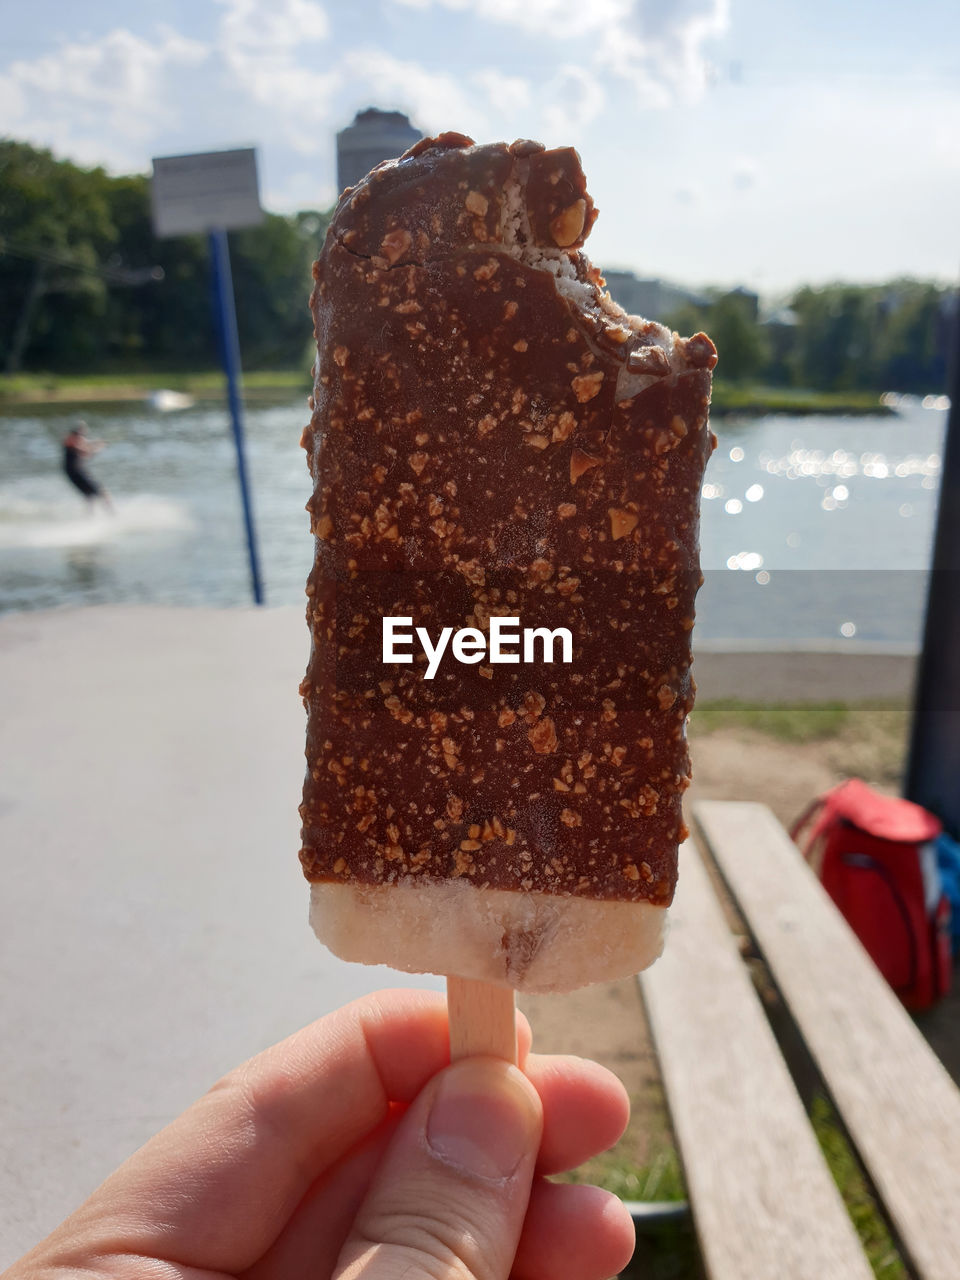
(213,190)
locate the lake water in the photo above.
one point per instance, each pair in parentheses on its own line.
(814,529)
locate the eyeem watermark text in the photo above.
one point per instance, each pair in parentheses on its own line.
(507,642)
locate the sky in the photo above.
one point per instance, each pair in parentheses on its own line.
(759,142)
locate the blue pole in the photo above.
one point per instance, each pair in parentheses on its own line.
(226,318)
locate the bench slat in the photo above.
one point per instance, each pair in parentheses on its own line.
(764,1203)
(899,1105)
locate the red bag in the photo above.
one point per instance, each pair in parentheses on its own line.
(878,862)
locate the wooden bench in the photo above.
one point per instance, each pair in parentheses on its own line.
(764,1203)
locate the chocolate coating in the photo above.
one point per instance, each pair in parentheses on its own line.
(475,451)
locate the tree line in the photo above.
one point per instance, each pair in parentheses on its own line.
(840,337)
(85,286)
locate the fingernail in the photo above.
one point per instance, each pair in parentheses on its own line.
(484,1119)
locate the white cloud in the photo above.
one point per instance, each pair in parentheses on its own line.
(508,94)
(282,95)
(300,189)
(83,92)
(659,49)
(13,102)
(266,35)
(744,172)
(545,17)
(572,99)
(121,70)
(433,99)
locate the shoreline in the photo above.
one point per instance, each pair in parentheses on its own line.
(259,385)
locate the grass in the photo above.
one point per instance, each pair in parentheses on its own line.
(785,721)
(667,1251)
(755,400)
(32,388)
(870,1226)
(863,739)
(670,1252)
(660,1177)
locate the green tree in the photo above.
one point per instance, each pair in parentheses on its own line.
(272,281)
(54,225)
(740,340)
(913,337)
(730,320)
(85,284)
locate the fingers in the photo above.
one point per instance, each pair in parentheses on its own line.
(580,1233)
(585,1110)
(451,1193)
(217,1188)
(311,1242)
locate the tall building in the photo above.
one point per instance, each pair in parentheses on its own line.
(374,136)
(652,299)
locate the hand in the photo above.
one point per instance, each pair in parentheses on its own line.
(352,1151)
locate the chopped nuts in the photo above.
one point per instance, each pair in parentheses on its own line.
(622,522)
(586,386)
(543,736)
(395,244)
(477,203)
(649,360)
(565,425)
(567,226)
(487,271)
(580,463)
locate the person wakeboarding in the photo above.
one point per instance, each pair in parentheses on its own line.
(76,449)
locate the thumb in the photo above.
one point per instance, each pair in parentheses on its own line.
(451,1193)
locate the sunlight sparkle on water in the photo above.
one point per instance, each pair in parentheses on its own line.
(747,560)
(803,464)
(754,493)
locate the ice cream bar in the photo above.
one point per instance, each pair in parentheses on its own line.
(507,470)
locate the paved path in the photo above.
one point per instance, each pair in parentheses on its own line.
(152,915)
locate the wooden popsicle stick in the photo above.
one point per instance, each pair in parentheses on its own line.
(483,1020)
